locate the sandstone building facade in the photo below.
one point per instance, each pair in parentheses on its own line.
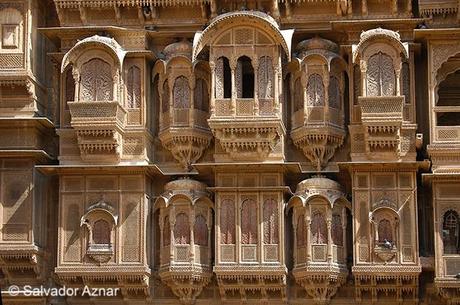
(231,151)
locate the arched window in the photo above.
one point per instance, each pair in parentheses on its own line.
(96,81)
(385,231)
(315,90)
(200,231)
(337,230)
(249,222)
(244,78)
(298,95)
(133,87)
(300,231)
(227,222)
(201,96)
(165,97)
(265,78)
(101,232)
(318,229)
(334,94)
(182,229)
(166,232)
(223,78)
(450,233)
(270,221)
(381,79)
(181,93)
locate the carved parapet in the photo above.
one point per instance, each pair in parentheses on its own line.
(99,127)
(248,139)
(16,261)
(131,280)
(247,282)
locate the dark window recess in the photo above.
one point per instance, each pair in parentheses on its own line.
(245,78)
(448,118)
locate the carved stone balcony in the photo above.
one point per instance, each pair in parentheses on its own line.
(185,134)
(248,131)
(319,224)
(99,128)
(185,228)
(20,263)
(382,118)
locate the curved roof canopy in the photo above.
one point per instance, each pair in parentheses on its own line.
(379,34)
(96,41)
(251,18)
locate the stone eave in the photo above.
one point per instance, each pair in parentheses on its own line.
(436,34)
(39,155)
(147,169)
(285,189)
(433,177)
(290,167)
(385,165)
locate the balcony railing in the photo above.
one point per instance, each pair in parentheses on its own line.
(185,118)
(245,107)
(96,112)
(317,115)
(382,108)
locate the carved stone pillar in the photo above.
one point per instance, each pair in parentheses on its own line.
(213,6)
(329,240)
(294,231)
(192,236)
(256,86)
(234,89)
(276,9)
(308,222)
(212,95)
(364,7)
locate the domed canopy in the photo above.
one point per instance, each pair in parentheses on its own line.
(317,43)
(185,184)
(108,44)
(181,48)
(318,183)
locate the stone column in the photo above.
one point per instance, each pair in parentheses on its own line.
(308,222)
(329,240)
(192,235)
(212,97)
